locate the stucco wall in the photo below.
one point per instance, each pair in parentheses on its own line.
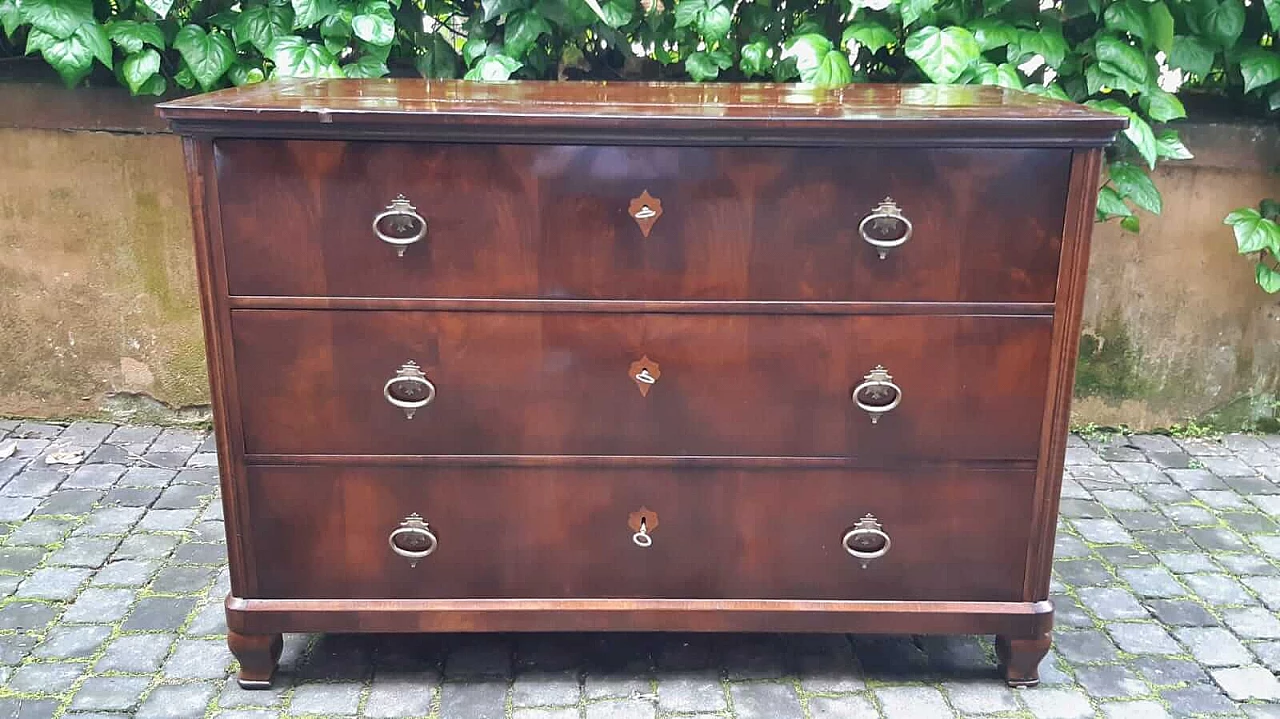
(99,316)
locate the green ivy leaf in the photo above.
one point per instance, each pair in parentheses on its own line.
(1169,146)
(1117,57)
(10,17)
(59,18)
(1273,100)
(293,56)
(992,34)
(184,78)
(72,57)
(714,23)
(1160,20)
(618,12)
(688,12)
(132,36)
(808,51)
(943,54)
(437,59)
(1130,224)
(1254,233)
(913,10)
(1268,278)
(522,30)
(833,71)
(1224,22)
(140,67)
(208,55)
(1131,182)
(1046,42)
(474,49)
(161,8)
(374,23)
(243,73)
(1110,204)
(260,25)
(1273,12)
(701,67)
(367,66)
(871,35)
(498,8)
(755,59)
(1161,106)
(1259,68)
(1002,75)
(309,12)
(1140,134)
(1128,16)
(1192,55)
(1053,90)
(39,41)
(95,37)
(493,68)
(155,86)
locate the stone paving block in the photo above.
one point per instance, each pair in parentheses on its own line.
(473,700)
(765,700)
(327,699)
(1107,681)
(1218,589)
(89,552)
(546,689)
(1186,562)
(1047,703)
(1227,466)
(1135,710)
(1250,522)
(980,697)
(1085,647)
(146,546)
(182,701)
(134,437)
(1066,546)
(1268,503)
(32,483)
(1193,479)
(1213,647)
(1140,473)
(72,642)
(1142,638)
(135,653)
(45,677)
(1069,613)
(1154,443)
(20,559)
(125,572)
(1248,683)
(543,713)
(37,430)
(1171,460)
(403,695)
(167,520)
(198,659)
(159,613)
(1081,508)
(1127,555)
(182,580)
(110,520)
(147,477)
(41,531)
(131,497)
(1152,582)
(210,620)
(1122,499)
(1182,613)
(26,615)
(99,605)
(15,647)
(690,692)
(197,475)
(1270,545)
(1142,521)
(95,476)
(624,709)
(1222,500)
(1253,623)
(53,583)
(1189,515)
(1168,671)
(108,454)
(70,502)
(912,703)
(110,693)
(1217,539)
(20,708)
(1112,603)
(184,496)
(200,553)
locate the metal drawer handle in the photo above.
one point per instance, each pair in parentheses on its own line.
(642,538)
(885,228)
(867,540)
(410,390)
(406,226)
(877,394)
(413,540)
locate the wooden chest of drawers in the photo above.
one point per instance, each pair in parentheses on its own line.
(640,356)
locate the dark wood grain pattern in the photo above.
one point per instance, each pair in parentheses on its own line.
(643,113)
(311,383)
(521,221)
(560,534)
(535,294)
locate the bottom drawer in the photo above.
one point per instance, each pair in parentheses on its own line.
(555,532)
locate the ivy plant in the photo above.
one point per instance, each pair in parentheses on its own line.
(1257,232)
(1121,56)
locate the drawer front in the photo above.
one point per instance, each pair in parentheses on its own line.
(548,533)
(530,221)
(312,382)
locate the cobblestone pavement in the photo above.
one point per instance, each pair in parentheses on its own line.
(112,573)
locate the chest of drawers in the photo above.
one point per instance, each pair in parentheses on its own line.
(544,357)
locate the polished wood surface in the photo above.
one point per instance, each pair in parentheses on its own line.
(522,221)
(535,294)
(311,383)
(560,534)
(643,112)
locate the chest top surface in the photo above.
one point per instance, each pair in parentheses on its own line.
(675,113)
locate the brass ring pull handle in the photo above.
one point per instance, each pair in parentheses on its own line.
(877,394)
(413,540)
(410,390)
(400,225)
(642,538)
(885,228)
(867,540)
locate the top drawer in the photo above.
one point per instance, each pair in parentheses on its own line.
(544,221)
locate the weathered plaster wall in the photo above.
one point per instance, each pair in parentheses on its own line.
(1175,327)
(98,307)
(99,316)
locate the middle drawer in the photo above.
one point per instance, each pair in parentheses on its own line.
(320,382)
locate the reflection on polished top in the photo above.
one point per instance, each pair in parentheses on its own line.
(677,105)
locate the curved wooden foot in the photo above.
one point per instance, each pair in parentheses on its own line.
(1020,659)
(258,655)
